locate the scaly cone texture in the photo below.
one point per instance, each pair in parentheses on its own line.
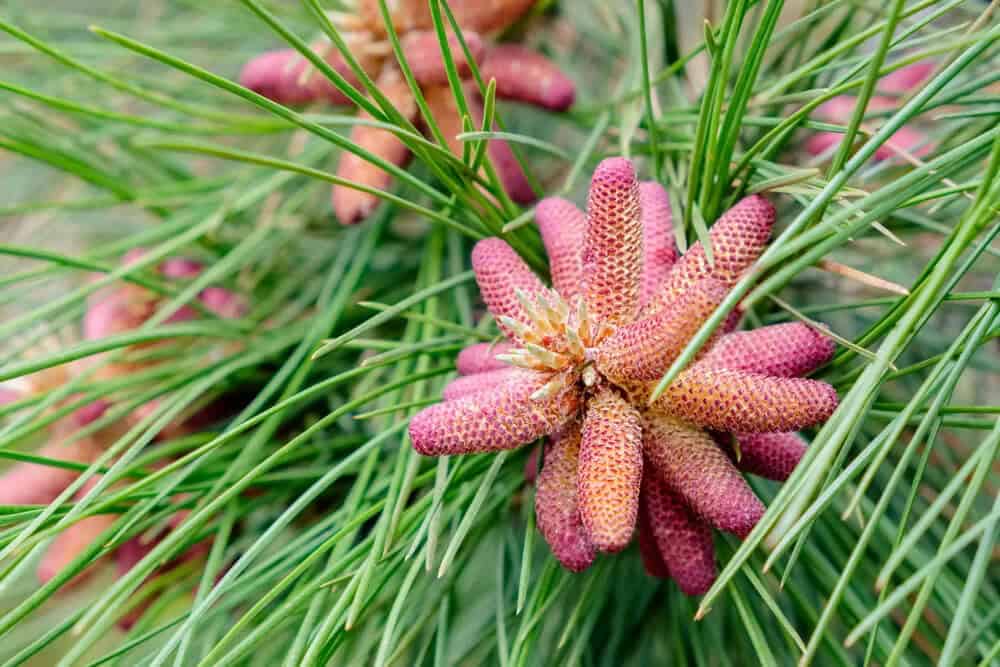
(770,455)
(612,247)
(658,250)
(482,357)
(682,541)
(610,469)
(113,310)
(558,511)
(563,227)
(581,363)
(520,73)
(841,108)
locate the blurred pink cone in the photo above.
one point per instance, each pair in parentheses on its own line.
(525,75)
(73,541)
(39,484)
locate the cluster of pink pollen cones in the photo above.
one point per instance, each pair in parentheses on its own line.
(116,309)
(519,72)
(581,360)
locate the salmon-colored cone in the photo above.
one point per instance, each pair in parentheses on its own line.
(738,238)
(682,540)
(786,350)
(444,108)
(594,359)
(448,117)
(483,17)
(224,303)
(610,470)
(482,357)
(287,77)
(725,400)
(181,268)
(525,75)
(500,273)
(38,484)
(821,142)
(652,561)
(477,15)
(689,462)
(91,412)
(563,227)
(8,396)
(556,501)
(770,455)
(512,177)
(350,205)
(471,384)
(659,252)
(491,421)
(612,255)
(117,309)
(423,55)
(906,78)
(405,15)
(643,351)
(905,140)
(72,542)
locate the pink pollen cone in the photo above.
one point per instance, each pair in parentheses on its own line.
(481,357)
(527,76)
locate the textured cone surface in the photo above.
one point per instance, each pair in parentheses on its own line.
(659,253)
(737,401)
(563,227)
(770,455)
(682,540)
(652,561)
(352,206)
(785,350)
(690,463)
(738,238)
(643,351)
(527,76)
(612,257)
(482,357)
(610,470)
(471,384)
(423,55)
(500,272)
(556,503)
(492,420)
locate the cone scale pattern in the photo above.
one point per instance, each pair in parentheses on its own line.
(558,511)
(580,362)
(520,74)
